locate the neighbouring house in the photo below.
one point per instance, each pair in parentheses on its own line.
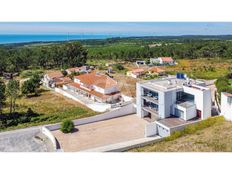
(156,70)
(172,103)
(136,73)
(226,105)
(9,75)
(55,79)
(82,69)
(95,86)
(162,61)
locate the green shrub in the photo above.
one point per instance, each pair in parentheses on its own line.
(30,73)
(67,126)
(118,67)
(174,136)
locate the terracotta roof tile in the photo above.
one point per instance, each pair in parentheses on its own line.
(96,79)
(139,70)
(167,59)
(156,70)
(56,74)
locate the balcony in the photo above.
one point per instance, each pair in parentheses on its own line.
(151,99)
(151,110)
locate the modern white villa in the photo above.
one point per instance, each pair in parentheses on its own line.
(173,102)
(226,105)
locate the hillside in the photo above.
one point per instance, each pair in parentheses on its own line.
(216,138)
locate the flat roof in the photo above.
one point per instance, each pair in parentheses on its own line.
(186,104)
(170,83)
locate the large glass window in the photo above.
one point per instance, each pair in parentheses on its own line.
(179,113)
(229,100)
(150,105)
(150,93)
(182,96)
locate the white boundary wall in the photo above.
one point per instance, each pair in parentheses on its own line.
(47,133)
(61,91)
(150,130)
(123,111)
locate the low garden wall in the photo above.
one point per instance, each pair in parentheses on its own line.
(123,111)
(50,136)
(150,130)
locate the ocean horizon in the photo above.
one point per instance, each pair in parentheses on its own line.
(26,38)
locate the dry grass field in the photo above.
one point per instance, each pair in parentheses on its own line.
(202,68)
(51,108)
(48,102)
(216,138)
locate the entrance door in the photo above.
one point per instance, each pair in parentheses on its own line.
(199,113)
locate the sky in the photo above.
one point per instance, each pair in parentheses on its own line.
(118,28)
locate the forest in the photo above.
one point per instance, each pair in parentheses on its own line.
(18,57)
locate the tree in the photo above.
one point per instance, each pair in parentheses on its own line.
(67,126)
(2,95)
(28,87)
(32,85)
(12,92)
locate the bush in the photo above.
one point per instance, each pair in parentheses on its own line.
(67,126)
(30,73)
(118,67)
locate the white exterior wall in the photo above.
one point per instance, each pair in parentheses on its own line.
(98,89)
(189,112)
(226,107)
(150,129)
(160,60)
(139,100)
(154,60)
(106,90)
(202,99)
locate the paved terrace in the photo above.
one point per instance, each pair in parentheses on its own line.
(102,133)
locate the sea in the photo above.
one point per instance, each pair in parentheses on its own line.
(9,39)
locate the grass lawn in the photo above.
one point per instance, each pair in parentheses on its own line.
(52,108)
(202,68)
(215,138)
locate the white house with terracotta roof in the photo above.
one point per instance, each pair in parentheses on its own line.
(136,73)
(95,86)
(82,69)
(55,79)
(162,61)
(226,105)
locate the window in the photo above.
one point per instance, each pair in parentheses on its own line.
(229,100)
(179,113)
(179,95)
(182,96)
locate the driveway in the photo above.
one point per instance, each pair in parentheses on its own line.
(24,140)
(102,133)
